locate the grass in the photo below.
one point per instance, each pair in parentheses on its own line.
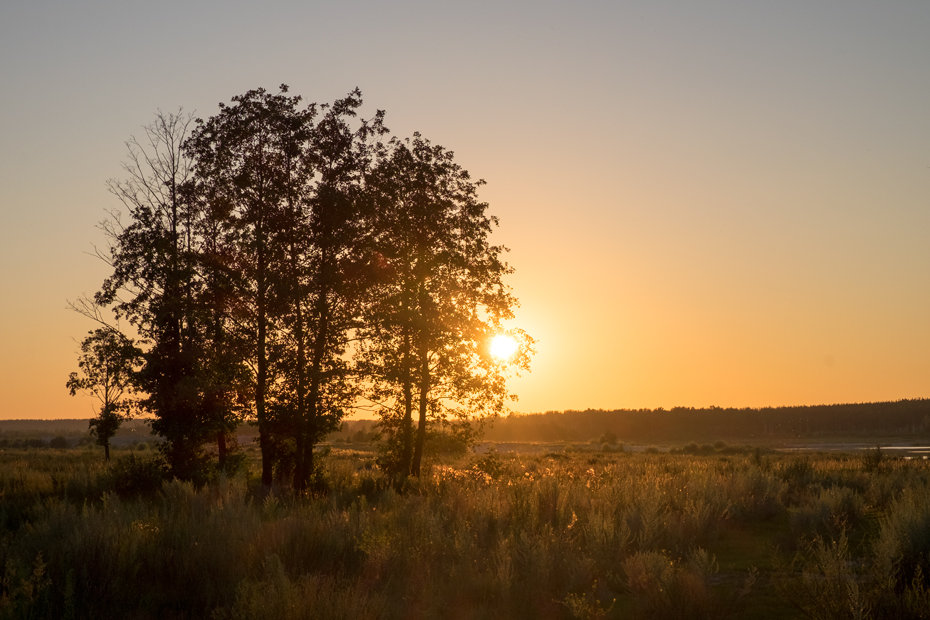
(564,534)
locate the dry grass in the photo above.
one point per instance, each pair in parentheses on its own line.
(558,535)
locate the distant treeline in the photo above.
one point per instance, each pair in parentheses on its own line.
(683,424)
(68,427)
(862,421)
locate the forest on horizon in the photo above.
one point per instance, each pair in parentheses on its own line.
(903,418)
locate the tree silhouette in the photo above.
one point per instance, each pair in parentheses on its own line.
(154,285)
(249,156)
(324,283)
(281,183)
(440,299)
(106,364)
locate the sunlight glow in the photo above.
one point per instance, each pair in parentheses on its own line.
(503,347)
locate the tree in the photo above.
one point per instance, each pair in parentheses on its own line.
(326,274)
(155,285)
(107,363)
(248,160)
(440,299)
(282,189)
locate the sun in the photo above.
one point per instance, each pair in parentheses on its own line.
(503,347)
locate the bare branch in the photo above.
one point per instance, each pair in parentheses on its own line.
(86,307)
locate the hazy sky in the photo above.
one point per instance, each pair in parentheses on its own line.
(707,202)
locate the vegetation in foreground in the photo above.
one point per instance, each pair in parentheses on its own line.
(583,534)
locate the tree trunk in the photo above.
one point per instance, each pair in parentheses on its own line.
(406,433)
(320,337)
(219,405)
(300,466)
(424,385)
(310,464)
(221,449)
(106,451)
(264,440)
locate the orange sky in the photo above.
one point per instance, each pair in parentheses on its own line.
(724,205)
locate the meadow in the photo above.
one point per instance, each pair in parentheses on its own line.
(589,531)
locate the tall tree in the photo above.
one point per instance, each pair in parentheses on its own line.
(283,184)
(441,298)
(248,155)
(154,283)
(226,380)
(341,153)
(106,366)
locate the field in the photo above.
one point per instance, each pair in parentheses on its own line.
(713,531)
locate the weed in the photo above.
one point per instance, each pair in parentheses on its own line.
(872,459)
(829,584)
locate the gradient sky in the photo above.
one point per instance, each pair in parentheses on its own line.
(707,203)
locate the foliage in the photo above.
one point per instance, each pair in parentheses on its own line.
(131,476)
(902,548)
(438,299)
(107,366)
(829,586)
(154,284)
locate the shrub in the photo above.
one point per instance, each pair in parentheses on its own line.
(132,476)
(832,512)
(275,595)
(902,548)
(490,464)
(872,459)
(439,443)
(665,588)
(24,590)
(499,535)
(59,443)
(828,584)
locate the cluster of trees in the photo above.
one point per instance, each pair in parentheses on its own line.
(287,262)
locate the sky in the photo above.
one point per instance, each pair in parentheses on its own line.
(706,203)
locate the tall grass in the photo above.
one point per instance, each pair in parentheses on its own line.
(577,535)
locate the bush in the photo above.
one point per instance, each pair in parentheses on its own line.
(828,585)
(500,535)
(132,476)
(872,459)
(59,443)
(665,588)
(902,549)
(798,470)
(490,464)
(445,444)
